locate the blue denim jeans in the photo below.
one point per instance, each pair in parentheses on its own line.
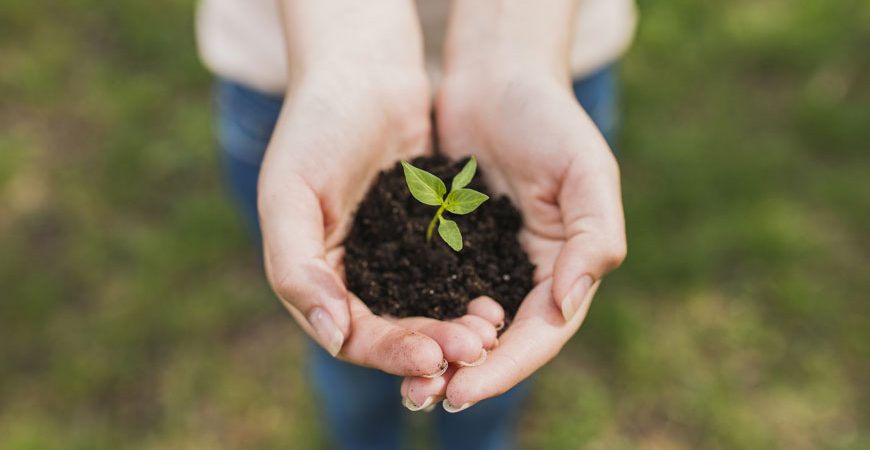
(362,407)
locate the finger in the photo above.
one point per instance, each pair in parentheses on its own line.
(595,230)
(533,339)
(381,344)
(489,309)
(422,393)
(485,331)
(459,343)
(293,247)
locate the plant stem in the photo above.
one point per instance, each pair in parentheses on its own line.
(432,223)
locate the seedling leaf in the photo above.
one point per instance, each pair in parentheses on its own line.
(449,231)
(464,201)
(465,175)
(424,186)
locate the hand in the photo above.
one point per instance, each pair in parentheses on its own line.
(330,143)
(536,145)
(349,113)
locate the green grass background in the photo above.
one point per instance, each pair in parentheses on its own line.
(133,314)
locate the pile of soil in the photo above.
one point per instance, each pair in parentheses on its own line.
(396,272)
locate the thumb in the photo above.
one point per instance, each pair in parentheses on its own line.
(295,258)
(595,231)
(584,259)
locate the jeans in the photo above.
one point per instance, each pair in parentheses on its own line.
(362,407)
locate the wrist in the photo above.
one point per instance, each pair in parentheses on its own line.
(510,38)
(386,102)
(376,38)
(347,80)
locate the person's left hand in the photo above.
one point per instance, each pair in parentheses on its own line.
(536,145)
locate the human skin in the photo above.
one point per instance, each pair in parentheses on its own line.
(506,97)
(350,111)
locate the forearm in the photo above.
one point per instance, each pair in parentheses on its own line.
(510,35)
(363,37)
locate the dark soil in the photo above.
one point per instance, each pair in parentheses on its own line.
(395,271)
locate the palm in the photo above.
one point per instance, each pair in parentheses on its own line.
(329,145)
(536,145)
(526,149)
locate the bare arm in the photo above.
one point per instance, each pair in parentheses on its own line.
(510,36)
(374,38)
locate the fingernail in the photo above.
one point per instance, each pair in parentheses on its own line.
(408,403)
(500,326)
(478,362)
(442,368)
(571,303)
(454,409)
(328,334)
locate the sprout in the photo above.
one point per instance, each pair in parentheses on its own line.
(430,190)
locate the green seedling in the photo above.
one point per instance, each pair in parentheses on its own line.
(430,190)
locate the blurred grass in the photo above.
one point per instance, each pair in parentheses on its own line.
(133,314)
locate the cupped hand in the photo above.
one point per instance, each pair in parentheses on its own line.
(536,145)
(333,136)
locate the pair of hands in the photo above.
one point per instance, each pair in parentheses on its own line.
(358,101)
(536,145)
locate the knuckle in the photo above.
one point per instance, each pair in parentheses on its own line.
(272,192)
(488,334)
(616,254)
(486,309)
(485,330)
(308,281)
(461,337)
(284,286)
